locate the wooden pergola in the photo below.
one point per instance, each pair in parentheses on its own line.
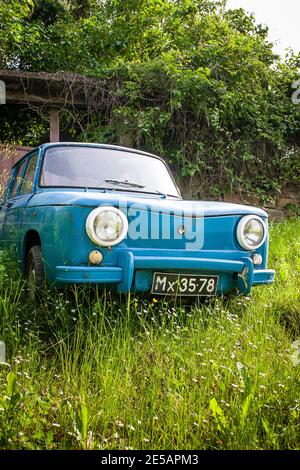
(53,91)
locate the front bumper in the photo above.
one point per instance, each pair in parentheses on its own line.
(134,272)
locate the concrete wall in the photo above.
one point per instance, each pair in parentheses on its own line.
(278,206)
(288,202)
(285,204)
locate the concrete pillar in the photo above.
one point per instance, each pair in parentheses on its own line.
(54,124)
(125,140)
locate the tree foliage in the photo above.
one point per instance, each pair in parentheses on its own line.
(197,83)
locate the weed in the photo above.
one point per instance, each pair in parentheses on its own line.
(89,370)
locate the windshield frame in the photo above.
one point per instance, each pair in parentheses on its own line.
(109,188)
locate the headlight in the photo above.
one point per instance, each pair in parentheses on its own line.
(106,226)
(251,232)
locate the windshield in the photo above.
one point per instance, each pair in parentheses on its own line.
(92,167)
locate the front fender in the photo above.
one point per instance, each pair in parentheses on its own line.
(53,224)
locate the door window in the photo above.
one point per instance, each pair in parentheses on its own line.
(27,183)
(17,178)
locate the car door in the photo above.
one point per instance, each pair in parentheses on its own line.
(2,205)
(20,192)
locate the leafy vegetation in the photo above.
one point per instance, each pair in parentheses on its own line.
(187,79)
(86,370)
(201,86)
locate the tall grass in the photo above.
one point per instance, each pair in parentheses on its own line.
(88,370)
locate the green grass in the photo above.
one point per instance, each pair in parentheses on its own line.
(92,371)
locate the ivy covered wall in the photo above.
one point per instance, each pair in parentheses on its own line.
(187,79)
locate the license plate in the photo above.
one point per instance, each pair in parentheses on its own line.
(184,284)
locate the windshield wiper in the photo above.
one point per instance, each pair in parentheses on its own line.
(146,189)
(124,183)
(149,190)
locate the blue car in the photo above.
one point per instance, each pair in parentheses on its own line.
(113,216)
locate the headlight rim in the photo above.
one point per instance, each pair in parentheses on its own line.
(240,232)
(89,226)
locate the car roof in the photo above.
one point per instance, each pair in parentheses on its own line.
(83,144)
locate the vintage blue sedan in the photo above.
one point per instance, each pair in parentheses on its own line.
(113,216)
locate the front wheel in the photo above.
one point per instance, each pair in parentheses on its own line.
(35,273)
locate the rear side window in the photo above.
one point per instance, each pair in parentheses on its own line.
(27,183)
(17,179)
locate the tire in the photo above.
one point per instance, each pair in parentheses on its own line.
(35,273)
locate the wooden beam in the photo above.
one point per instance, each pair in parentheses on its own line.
(54,124)
(19,97)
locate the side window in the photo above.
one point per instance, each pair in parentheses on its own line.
(27,183)
(17,178)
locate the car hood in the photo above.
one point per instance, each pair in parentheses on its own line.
(154,203)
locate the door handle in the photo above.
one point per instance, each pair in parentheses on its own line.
(9,204)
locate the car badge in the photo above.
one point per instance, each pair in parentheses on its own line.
(181,230)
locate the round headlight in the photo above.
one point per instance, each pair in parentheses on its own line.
(106,226)
(251,232)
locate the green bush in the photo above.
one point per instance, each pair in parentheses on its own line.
(187,79)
